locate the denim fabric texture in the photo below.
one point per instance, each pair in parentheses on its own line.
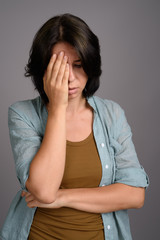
(113,136)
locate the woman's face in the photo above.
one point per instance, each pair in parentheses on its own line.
(77,77)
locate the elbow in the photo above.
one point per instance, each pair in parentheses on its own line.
(46,198)
(140,203)
(140,199)
(41,194)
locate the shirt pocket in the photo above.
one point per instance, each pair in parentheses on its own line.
(115,146)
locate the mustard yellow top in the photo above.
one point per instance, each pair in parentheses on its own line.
(82,170)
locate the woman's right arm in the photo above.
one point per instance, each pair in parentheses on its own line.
(47,167)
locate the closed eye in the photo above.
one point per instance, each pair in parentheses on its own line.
(78,65)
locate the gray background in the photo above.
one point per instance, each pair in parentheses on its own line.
(129,36)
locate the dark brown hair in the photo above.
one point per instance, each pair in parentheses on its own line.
(73,30)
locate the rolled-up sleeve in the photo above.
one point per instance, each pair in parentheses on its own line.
(25,142)
(127,167)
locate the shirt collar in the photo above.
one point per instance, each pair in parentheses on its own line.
(91,102)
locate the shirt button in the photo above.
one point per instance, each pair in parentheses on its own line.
(108,227)
(102,145)
(106,166)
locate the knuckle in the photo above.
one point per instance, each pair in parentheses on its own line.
(52,84)
(55,69)
(57,88)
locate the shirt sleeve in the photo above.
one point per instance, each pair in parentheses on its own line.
(127,167)
(25,142)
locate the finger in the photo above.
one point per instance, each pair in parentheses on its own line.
(48,71)
(22,194)
(66,75)
(32,204)
(62,70)
(56,67)
(36,203)
(29,198)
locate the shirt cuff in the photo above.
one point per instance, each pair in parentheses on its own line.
(132,176)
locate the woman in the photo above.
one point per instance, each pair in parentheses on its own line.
(74,154)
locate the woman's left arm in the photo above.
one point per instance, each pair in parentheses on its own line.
(110,198)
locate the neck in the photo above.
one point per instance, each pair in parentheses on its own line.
(76,106)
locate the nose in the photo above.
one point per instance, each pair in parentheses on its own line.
(71,74)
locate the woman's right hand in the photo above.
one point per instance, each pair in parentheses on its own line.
(55,81)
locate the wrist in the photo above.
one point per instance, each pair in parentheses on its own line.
(62,197)
(56,110)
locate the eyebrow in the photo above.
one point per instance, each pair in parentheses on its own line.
(78,60)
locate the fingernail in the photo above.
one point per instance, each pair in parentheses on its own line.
(54,55)
(61,53)
(65,57)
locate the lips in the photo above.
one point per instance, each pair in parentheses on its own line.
(72,90)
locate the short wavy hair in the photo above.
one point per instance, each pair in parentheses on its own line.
(73,30)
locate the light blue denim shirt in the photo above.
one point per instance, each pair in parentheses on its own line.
(27,121)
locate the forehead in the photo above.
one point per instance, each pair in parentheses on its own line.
(68,49)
